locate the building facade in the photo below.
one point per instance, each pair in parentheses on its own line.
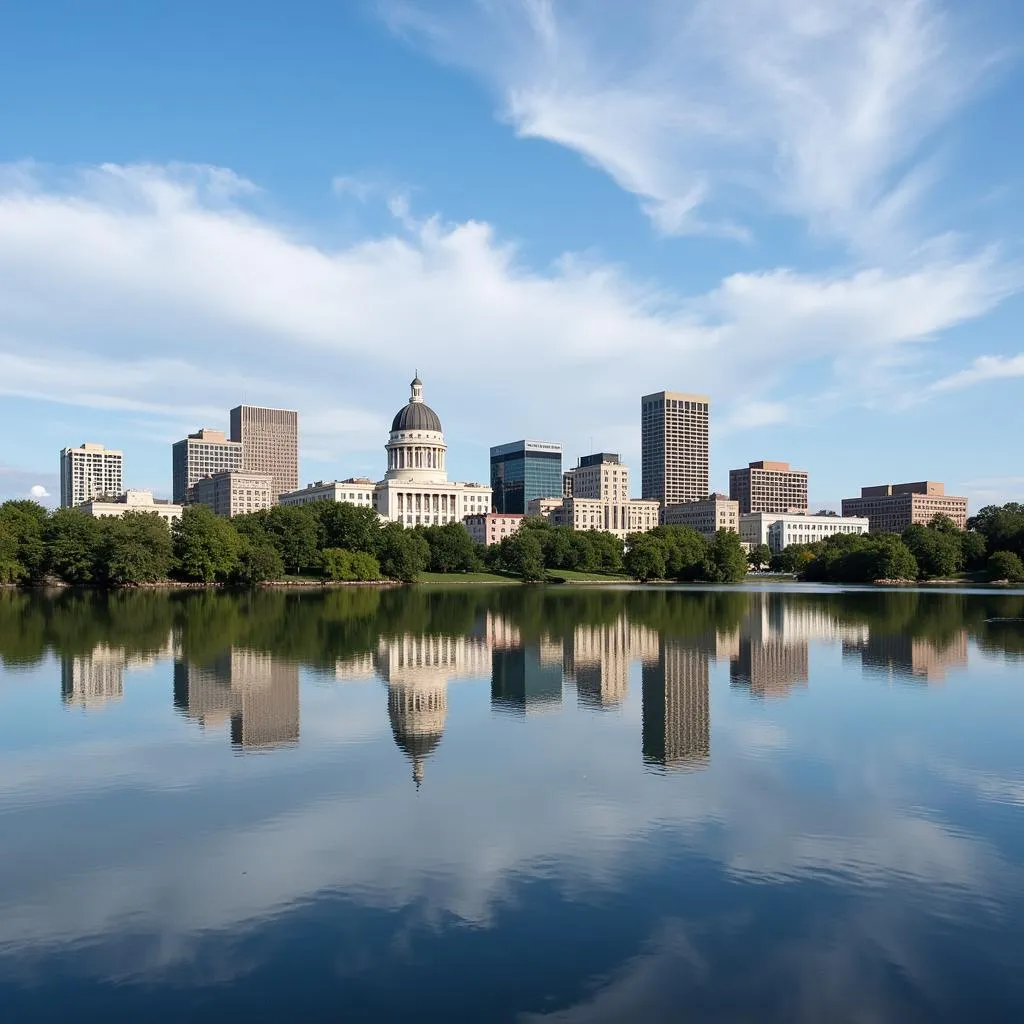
(234,492)
(891,508)
(674,435)
(201,454)
(545,508)
(522,471)
(601,476)
(355,490)
(716,512)
(132,501)
(270,444)
(416,490)
(779,531)
(88,472)
(768,487)
(492,527)
(618,517)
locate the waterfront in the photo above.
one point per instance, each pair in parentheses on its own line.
(512,804)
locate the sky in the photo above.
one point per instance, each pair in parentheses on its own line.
(809,211)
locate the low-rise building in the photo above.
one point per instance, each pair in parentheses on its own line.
(234,492)
(546,508)
(891,508)
(492,527)
(768,487)
(779,531)
(132,501)
(716,512)
(621,518)
(355,490)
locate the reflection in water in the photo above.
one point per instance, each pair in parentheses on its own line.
(853,849)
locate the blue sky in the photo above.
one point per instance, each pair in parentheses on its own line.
(810,211)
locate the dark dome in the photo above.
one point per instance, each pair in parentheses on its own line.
(415,745)
(416,416)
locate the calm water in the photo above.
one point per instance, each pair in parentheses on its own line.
(512,804)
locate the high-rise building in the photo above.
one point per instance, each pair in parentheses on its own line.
(891,508)
(91,471)
(201,454)
(768,487)
(676,718)
(674,447)
(270,444)
(522,471)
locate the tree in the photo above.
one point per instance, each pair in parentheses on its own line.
(11,568)
(937,549)
(760,556)
(25,522)
(206,546)
(344,525)
(726,559)
(973,549)
(645,557)
(1005,565)
(134,548)
(522,554)
(1002,526)
(72,541)
(295,531)
(451,548)
(349,566)
(403,553)
(258,562)
(793,559)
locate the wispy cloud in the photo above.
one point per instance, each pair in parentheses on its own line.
(984,368)
(703,109)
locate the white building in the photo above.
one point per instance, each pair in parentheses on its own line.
(133,501)
(416,490)
(355,490)
(91,471)
(780,530)
(716,512)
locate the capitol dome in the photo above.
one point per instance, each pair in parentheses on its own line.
(416,415)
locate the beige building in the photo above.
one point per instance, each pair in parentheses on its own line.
(674,436)
(88,472)
(133,501)
(270,444)
(716,512)
(621,519)
(545,508)
(676,706)
(768,487)
(601,476)
(891,508)
(201,454)
(355,490)
(235,492)
(416,490)
(492,527)
(779,531)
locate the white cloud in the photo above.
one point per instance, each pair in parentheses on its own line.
(822,109)
(164,292)
(38,491)
(984,368)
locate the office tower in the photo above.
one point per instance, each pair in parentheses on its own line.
(91,471)
(676,714)
(674,447)
(201,454)
(768,487)
(270,444)
(891,508)
(522,471)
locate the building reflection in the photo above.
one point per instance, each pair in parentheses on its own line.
(93,680)
(597,659)
(257,693)
(676,712)
(913,658)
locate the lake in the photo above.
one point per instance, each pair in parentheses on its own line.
(528,804)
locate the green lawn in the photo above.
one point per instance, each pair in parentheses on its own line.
(465,577)
(572,576)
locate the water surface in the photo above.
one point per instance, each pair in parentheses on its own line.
(512,804)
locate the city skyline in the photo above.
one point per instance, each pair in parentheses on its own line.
(846,252)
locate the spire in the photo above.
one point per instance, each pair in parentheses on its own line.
(417,389)
(417,772)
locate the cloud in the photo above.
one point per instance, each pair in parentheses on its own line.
(38,491)
(233,306)
(705,109)
(984,368)
(16,482)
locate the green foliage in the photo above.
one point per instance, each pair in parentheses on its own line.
(973,549)
(522,555)
(349,566)
(1002,527)
(937,548)
(73,545)
(258,562)
(686,552)
(451,549)
(11,568)
(403,553)
(727,559)
(1006,565)
(860,558)
(344,525)
(295,531)
(645,557)
(760,556)
(794,559)
(206,546)
(22,549)
(134,548)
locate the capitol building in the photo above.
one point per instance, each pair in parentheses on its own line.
(416,489)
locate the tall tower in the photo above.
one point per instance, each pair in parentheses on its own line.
(674,437)
(270,444)
(89,472)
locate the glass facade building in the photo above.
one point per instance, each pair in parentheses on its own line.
(524,470)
